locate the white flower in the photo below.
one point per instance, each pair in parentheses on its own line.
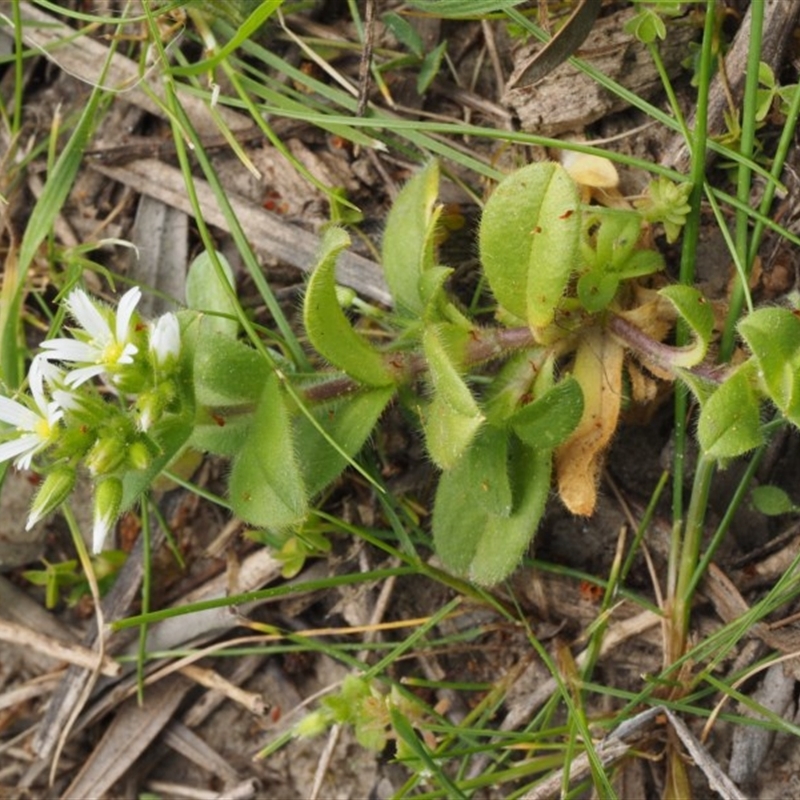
(165,339)
(36,426)
(104,347)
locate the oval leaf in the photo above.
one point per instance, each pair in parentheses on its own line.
(408,239)
(596,290)
(773,336)
(227,372)
(730,422)
(550,419)
(448,433)
(469,538)
(327,326)
(266,485)
(772,501)
(442,365)
(529,240)
(348,423)
(206,292)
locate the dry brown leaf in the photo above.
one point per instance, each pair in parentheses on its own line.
(598,367)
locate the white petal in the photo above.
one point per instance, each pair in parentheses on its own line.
(127,305)
(24,461)
(88,316)
(36,383)
(128,352)
(49,371)
(102,525)
(16,414)
(165,338)
(71,350)
(53,413)
(66,400)
(76,377)
(16,447)
(33,518)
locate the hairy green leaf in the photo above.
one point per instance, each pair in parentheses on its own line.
(696,312)
(404,32)
(469,538)
(348,422)
(222,431)
(448,432)
(616,237)
(514,383)
(408,239)
(596,289)
(773,336)
(205,292)
(550,419)
(227,372)
(327,326)
(529,240)
(730,423)
(266,484)
(442,357)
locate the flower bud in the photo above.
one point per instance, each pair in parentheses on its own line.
(151,404)
(54,490)
(139,456)
(165,341)
(107,502)
(107,455)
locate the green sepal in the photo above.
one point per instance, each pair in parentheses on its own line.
(327,326)
(529,240)
(205,292)
(408,239)
(471,540)
(266,484)
(550,419)
(170,436)
(697,314)
(773,336)
(53,491)
(348,422)
(730,421)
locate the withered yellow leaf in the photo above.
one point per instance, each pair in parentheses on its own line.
(598,369)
